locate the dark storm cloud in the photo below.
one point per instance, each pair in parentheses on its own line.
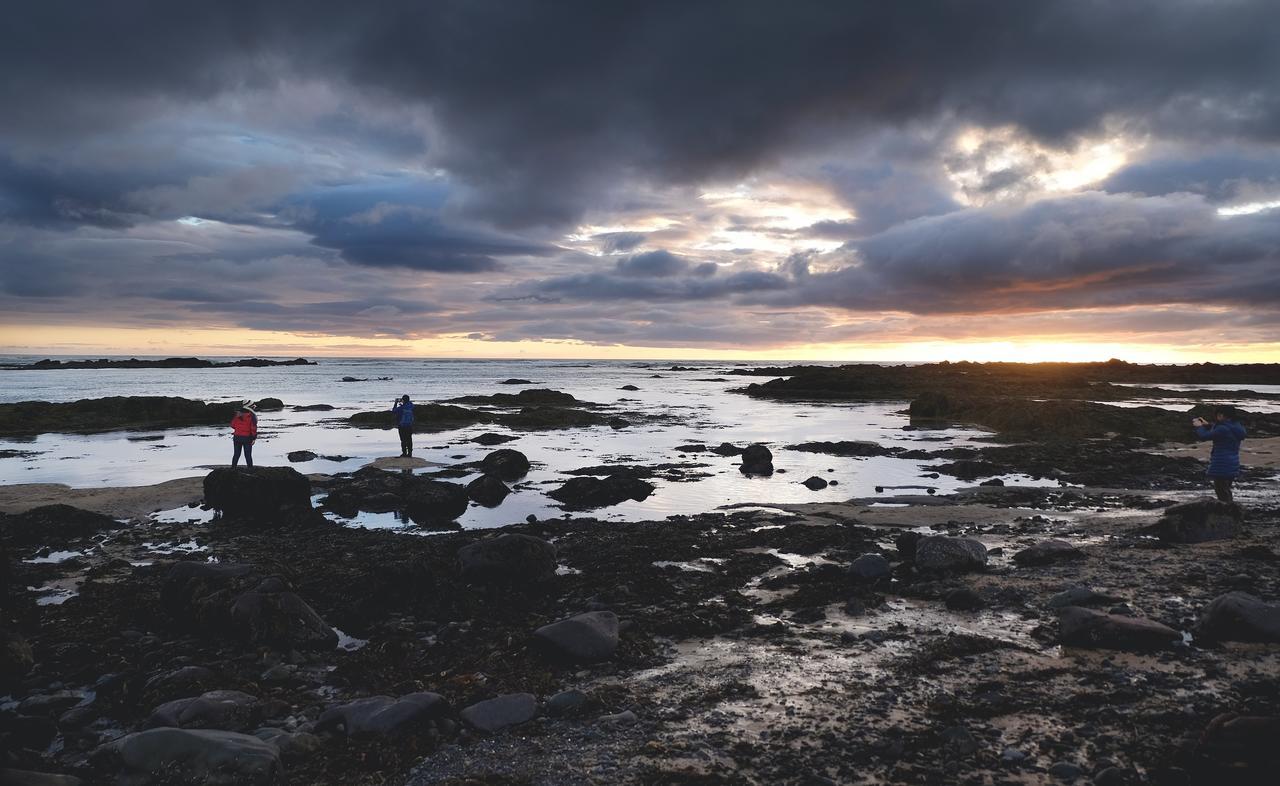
(543,105)
(1219,175)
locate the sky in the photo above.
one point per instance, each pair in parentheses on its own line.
(938,179)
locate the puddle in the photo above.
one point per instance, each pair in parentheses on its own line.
(56,593)
(54,557)
(349,643)
(185,547)
(183,515)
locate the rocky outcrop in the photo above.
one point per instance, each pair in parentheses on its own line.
(846,448)
(204,756)
(424,500)
(48,364)
(506,464)
(487,490)
(757,460)
(1239,616)
(299,456)
(111,414)
(1048,552)
(1079,627)
(271,614)
(942,553)
(490,438)
(1200,521)
(508,558)
(584,493)
(585,638)
(815,483)
(259,493)
(525,398)
(869,567)
(384,716)
(53,524)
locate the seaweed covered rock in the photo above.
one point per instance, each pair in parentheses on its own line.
(942,553)
(427,418)
(509,557)
(1239,616)
(273,615)
(587,492)
(757,460)
(524,398)
(1078,627)
(53,524)
(384,716)
(506,463)
(258,492)
(110,414)
(1200,521)
(1048,552)
(588,637)
(498,713)
(488,490)
(205,756)
(424,500)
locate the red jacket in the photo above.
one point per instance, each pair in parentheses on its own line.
(244,424)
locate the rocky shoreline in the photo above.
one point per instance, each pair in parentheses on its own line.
(49,364)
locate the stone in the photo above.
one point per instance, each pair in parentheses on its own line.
(204,756)
(815,483)
(269,405)
(588,637)
(490,438)
(905,543)
(16,658)
(691,448)
(1200,521)
(257,493)
(1048,552)
(1066,771)
(488,490)
(727,449)
(426,501)
(757,460)
(229,710)
(506,464)
(277,617)
(963,599)
(508,558)
(567,703)
(515,381)
(586,492)
(499,713)
(293,746)
(624,718)
(1239,616)
(869,567)
(629,387)
(297,456)
(1079,627)
(1079,596)
(943,553)
(381,716)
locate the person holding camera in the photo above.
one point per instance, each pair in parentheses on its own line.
(402,408)
(1224,460)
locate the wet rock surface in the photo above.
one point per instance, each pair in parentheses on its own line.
(424,500)
(508,558)
(943,553)
(1200,521)
(111,414)
(585,493)
(1239,616)
(261,493)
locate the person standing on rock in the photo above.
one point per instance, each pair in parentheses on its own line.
(244,432)
(1224,460)
(403,410)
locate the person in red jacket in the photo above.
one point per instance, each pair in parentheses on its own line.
(244,430)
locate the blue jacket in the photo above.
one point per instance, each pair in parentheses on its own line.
(1224,461)
(404,414)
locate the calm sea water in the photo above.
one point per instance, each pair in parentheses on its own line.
(696,405)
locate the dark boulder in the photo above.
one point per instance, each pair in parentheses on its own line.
(1080,596)
(488,490)
(1239,616)
(204,756)
(963,599)
(757,460)
(1079,627)
(905,543)
(727,449)
(506,464)
(629,387)
(588,637)
(1048,552)
(507,558)
(1200,521)
(272,615)
(260,493)
(499,713)
(869,567)
(588,492)
(846,448)
(298,456)
(424,500)
(312,408)
(690,448)
(514,381)
(568,704)
(942,553)
(490,438)
(269,405)
(229,710)
(53,525)
(384,716)
(815,483)
(930,405)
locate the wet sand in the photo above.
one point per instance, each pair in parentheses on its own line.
(125,502)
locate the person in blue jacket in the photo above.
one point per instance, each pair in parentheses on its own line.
(403,410)
(1224,460)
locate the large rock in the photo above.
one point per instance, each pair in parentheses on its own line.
(1078,627)
(54,525)
(424,500)
(382,716)
(588,637)
(258,493)
(815,483)
(499,713)
(506,464)
(508,558)
(272,615)
(488,490)
(1047,552)
(199,594)
(229,710)
(1239,616)
(869,567)
(1080,596)
(490,438)
(1200,521)
(757,460)
(589,492)
(16,659)
(939,552)
(204,756)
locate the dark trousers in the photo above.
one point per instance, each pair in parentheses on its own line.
(245,444)
(406,440)
(1222,487)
